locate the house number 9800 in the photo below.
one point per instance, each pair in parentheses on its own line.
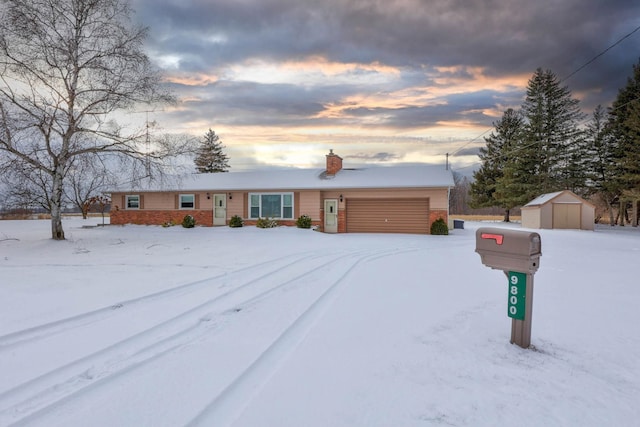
(517,292)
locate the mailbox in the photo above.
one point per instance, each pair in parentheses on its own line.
(509,250)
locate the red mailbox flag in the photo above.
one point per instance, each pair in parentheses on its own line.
(497,237)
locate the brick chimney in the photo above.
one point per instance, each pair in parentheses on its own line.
(334,163)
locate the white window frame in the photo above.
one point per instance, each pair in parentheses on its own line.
(282,206)
(181,202)
(129,198)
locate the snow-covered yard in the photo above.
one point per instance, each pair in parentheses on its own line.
(152,326)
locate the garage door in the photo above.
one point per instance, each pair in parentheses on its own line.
(387,216)
(566,215)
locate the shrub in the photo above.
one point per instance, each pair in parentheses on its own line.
(188,221)
(304,221)
(266,223)
(439,227)
(236,221)
(169,223)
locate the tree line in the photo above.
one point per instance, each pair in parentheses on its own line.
(550,145)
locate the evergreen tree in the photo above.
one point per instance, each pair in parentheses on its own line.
(508,134)
(519,182)
(600,164)
(553,140)
(624,123)
(209,156)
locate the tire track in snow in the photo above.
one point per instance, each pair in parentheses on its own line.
(229,405)
(40,395)
(48,329)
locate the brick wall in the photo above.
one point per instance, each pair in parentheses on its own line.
(435,214)
(342,221)
(159,217)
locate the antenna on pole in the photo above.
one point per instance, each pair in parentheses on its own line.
(147,140)
(446,165)
(147,147)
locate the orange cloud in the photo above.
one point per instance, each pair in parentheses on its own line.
(191,79)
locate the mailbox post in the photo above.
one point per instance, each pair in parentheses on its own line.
(517,253)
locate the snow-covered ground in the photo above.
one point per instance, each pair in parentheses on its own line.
(152,326)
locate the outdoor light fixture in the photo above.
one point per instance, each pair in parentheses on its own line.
(230,196)
(341,198)
(208,196)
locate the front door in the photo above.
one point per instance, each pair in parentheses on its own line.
(219,209)
(331,216)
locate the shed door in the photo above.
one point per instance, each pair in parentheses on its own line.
(219,209)
(567,215)
(388,216)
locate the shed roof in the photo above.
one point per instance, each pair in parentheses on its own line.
(546,198)
(430,176)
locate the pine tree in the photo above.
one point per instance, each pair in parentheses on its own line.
(600,165)
(209,156)
(508,134)
(519,183)
(554,138)
(624,123)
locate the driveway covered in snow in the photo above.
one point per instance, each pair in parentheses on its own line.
(143,325)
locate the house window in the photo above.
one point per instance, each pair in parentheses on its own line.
(133,202)
(187,201)
(272,205)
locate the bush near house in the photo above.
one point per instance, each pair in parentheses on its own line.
(236,222)
(304,221)
(439,227)
(188,221)
(266,223)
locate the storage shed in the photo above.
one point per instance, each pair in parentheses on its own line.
(562,209)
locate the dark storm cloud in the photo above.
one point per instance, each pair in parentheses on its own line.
(504,38)
(253,104)
(460,107)
(516,35)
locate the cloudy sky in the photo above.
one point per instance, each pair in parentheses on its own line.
(377,81)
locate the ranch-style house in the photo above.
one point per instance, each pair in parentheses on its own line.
(392,199)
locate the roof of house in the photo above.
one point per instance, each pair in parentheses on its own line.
(432,176)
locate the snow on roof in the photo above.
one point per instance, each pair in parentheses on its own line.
(544,198)
(310,179)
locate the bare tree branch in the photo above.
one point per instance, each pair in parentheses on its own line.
(67,67)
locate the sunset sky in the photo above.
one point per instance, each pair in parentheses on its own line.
(388,81)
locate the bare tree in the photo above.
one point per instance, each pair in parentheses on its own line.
(87,179)
(26,187)
(67,67)
(459,196)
